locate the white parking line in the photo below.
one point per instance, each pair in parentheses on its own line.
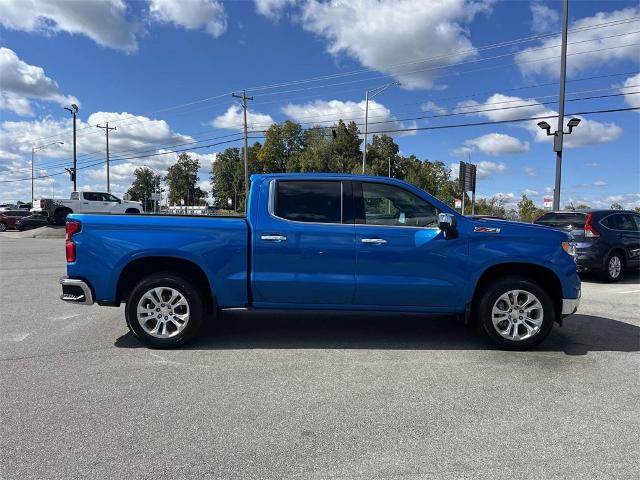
(16,337)
(630,291)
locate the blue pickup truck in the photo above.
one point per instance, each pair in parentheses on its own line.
(324,242)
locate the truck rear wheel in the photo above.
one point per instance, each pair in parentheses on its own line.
(164,310)
(515,313)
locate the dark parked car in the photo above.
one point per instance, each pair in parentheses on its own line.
(32,221)
(8,218)
(608,241)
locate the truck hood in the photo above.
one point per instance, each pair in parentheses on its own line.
(508,227)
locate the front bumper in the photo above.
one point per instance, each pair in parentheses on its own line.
(570,305)
(76,291)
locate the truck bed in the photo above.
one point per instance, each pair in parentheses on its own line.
(218,245)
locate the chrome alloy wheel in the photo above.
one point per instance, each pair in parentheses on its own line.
(615,266)
(517,315)
(163,312)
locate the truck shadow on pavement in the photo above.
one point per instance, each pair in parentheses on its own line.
(579,335)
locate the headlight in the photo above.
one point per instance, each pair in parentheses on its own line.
(570,248)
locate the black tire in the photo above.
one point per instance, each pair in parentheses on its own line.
(610,273)
(489,296)
(132,211)
(3,227)
(60,216)
(168,280)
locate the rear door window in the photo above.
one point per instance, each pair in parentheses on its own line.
(620,221)
(309,201)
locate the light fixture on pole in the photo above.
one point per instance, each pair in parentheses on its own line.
(369,94)
(33,154)
(557,147)
(74,111)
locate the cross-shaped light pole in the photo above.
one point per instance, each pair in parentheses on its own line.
(33,154)
(368,94)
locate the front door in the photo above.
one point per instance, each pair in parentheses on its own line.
(403,259)
(303,246)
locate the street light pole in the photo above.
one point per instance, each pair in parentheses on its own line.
(557,144)
(368,94)
(74,111)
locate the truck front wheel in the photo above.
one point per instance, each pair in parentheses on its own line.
(164,310)
(515,313)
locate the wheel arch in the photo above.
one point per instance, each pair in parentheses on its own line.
(545,277)
(140,268)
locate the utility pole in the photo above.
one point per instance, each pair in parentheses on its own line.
(74,111)
(106,132)
(368,94)
(244,99)
(557,144)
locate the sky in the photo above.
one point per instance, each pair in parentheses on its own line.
(162,72)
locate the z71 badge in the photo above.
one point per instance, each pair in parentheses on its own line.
(486,230)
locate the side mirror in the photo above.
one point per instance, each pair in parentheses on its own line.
(447,223)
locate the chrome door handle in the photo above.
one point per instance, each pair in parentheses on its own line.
(374,241)
(274,238)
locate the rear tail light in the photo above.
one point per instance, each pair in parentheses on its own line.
(70,247)
(589,230)
(42,203)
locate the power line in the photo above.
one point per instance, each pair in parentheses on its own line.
(355,72)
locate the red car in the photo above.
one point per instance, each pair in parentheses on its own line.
(8,218)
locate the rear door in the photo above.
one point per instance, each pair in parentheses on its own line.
(303,244)
(91,202)
(403,259)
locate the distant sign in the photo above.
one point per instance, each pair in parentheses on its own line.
(457,202)
(467,177)
(156,196)
(548,202)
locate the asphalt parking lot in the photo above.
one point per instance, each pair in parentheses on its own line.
(309,396)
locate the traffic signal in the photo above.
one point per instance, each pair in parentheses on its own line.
(72,174)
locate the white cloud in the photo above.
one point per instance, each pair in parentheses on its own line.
(382,34)
(21,82)
(325,113)
(592,164)
(191,15)
(104,22)
(135,136)
(530,193)
(430,106)
(599,183)
(497,144)
(273,9)
(233,119)
(544,19)
(587,54)
(530,171)
(589,132)
(632,84)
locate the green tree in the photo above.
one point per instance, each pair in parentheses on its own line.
(493,206)
(382,156)
(637,209)
(282,142)
(527,210)
(145,183)
(182,178)
(616,206)
(345,148)
(315,155)
(227,178)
